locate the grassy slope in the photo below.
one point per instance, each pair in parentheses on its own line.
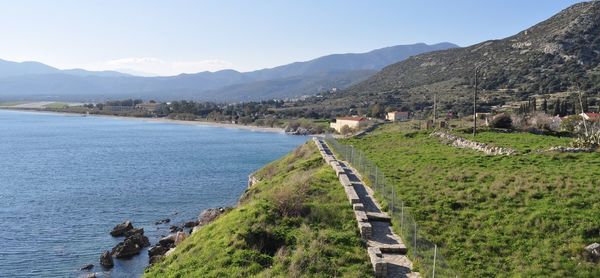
(256,239)
(526,215)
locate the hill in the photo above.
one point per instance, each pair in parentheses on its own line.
(295,222)
(554,56)
(14,69)
(36,81)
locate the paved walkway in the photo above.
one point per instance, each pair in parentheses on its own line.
(386,250)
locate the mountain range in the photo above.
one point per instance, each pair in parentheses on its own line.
(558,55)
(37,81)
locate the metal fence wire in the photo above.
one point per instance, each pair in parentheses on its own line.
(426,255)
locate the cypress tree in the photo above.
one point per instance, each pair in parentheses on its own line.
(556,107)
(545,106)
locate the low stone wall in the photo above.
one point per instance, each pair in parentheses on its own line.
(460,142)
(570,150)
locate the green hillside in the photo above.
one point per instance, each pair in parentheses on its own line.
(296,222)
(526,215)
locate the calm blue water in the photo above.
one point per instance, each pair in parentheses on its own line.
(65,181)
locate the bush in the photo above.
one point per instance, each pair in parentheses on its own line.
(501,121)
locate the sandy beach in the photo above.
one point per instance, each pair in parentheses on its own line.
(159,120)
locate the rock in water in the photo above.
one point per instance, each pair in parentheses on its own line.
(175,228)
(126,249)
(190,224)
(121,229)
(157,250)
(163,221)
(106,260)
(87,267)
(134,231)
(168,241)
(139,239)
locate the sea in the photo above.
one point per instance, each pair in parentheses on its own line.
(67,180)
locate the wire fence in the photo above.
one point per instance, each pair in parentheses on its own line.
(426,255)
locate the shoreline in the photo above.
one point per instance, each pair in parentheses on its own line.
(159,120)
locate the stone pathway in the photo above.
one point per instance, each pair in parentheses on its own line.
(386,250)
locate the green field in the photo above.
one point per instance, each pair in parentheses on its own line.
(525,215)
(296,222)
(523,142)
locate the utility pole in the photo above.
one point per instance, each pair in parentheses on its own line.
(434,108)
(475,102)
(582,113)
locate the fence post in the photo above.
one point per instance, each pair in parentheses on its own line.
(434,257)
(415,237)
(393,198)
(402,217)
(376,174)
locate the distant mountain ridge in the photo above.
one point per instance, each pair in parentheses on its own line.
(559,54)
(11,69)
(36,81)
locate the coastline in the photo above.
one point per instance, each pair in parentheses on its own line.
(159,120)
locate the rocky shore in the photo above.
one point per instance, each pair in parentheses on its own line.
(134,240)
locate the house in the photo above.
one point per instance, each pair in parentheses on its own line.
(397,116)
(150,106)
(589,116)
(354,123)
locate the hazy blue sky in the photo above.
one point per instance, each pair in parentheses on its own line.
(168,37)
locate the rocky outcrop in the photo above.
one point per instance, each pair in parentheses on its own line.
(121,229)
(134,241)
(157,250)
(140,239)
(190,224)
(87,267)
(134,231)
(106,260)
(252,180)
(179,237)
(460,142)
(168,241)
(126,249)
(209,215)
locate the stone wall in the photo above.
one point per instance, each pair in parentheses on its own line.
(460,142)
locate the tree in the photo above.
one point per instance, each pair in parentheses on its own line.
(501,121)
(556,107)
(545,106)
(345,130)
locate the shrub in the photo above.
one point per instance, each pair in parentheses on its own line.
(501,121)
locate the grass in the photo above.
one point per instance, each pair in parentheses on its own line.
(523,142)
(502,216)
(295,222)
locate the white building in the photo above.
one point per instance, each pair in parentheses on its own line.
(354,123)
(397,116)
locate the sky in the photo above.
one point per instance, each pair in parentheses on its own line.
(184,36)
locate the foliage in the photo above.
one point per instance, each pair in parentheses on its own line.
(497,216)
(259,239)
(501,121)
